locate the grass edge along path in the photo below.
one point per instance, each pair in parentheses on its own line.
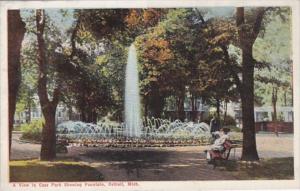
(44,171)
(36,170)
(265,169)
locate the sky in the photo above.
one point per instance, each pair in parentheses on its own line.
(62,22)
(65,22)
(218,11)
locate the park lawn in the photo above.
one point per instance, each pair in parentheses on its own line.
(265,169)
(36,170)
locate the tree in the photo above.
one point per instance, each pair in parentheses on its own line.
(112,68)
(89,83)
(171,54)
(163,67)
(116,27)
(16,32)
(250,25)
(247,34)
(183,57)
(216,68)
(274,47)
(28,87)
(48,106)
(154,57)
(275,85)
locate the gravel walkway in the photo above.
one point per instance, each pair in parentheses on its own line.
(23,150)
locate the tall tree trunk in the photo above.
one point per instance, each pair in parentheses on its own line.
(70,113)
(48,107)
(284,98)
(247,37)
(158,105)
(49,135)
(83,116)
(94,116)
(180,107)
(28,116)
(218,108)
(89,116)
(16,32)
(29,101)
(225,113)
(156,102)
(274,101)
(194,108)
(247,97)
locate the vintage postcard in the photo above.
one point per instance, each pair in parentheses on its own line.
(149,95)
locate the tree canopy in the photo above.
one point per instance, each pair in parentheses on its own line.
(184,54)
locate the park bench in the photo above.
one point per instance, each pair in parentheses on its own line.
(223,155)
(61,146)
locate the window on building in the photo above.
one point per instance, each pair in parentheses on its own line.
(261,116)
(290,116)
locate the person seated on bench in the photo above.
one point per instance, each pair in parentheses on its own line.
(218,146)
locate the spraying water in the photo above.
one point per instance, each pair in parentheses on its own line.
(153,128)
(132,96)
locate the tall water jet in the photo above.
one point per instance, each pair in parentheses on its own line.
(132,96)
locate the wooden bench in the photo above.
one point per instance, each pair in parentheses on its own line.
(221,155)
(61,146)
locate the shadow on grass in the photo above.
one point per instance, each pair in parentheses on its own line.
(41,171)
(128,155)
(265,169)
(133,162)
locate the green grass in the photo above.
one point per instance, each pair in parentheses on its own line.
(35,170)
(265,169)
(17,128)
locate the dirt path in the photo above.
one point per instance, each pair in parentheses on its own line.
(166,163)
(180,163)
(23,150)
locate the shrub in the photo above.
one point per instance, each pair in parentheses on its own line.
(33,130)
(233,128)
(229,121)
(208,118)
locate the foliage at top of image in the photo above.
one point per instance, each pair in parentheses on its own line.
(177,49)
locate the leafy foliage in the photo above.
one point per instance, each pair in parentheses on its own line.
(274,47)
(183,54)
(33,130)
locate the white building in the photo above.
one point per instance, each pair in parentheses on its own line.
(285,113)
(62,114)
(263,113)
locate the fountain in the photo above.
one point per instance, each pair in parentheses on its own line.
(134,131)
(153,132)
(132,96)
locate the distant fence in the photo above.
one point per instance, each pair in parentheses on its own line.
(285,127)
